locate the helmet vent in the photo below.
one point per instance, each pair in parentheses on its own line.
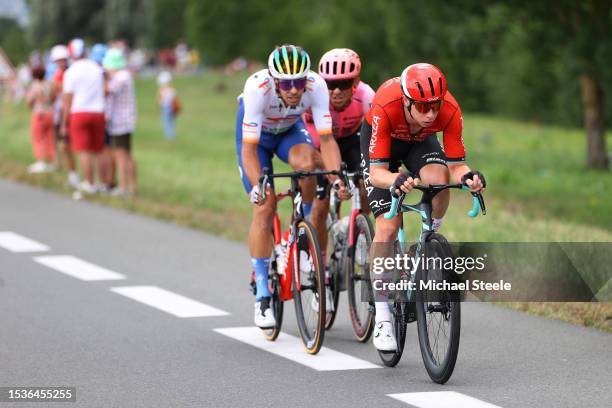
(335,69)
(342,71)
(352,67)
(433,90)
(420,89)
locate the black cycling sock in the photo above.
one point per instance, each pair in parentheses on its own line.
(264,304)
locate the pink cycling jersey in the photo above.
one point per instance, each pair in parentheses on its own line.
(347,122)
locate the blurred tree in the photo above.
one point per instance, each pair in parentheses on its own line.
(13,40)
(58,21)
(578,35)
(168,22)
(131,20)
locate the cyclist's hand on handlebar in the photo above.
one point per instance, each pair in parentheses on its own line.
(256,197)
(404,183)
(475,180)
(340,187)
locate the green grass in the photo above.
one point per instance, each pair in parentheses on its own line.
(539,189)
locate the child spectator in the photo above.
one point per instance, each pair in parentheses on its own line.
(40,97)
(168,102)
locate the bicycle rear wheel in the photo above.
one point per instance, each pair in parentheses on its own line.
(333,265)
(360,297)
(391,358)
(275,302)
(309,287)
(438,315)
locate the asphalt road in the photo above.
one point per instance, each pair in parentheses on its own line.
(69,317)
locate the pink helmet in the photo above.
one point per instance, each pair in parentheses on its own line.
(340,63)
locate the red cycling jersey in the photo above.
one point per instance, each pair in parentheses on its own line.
(386,116)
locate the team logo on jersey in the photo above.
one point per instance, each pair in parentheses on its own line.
(265,83)
(375,120)
(249,124)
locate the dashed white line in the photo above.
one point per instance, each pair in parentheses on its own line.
(78,268)
(177,305)
(441,399)
(292,348)
(18,243)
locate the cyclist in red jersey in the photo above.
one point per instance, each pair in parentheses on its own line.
(401,127)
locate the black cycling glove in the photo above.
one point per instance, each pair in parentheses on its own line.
(400,180)
(470,176)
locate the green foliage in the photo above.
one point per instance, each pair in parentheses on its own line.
(520,58)
(517,58)
(13,41)
(169,22)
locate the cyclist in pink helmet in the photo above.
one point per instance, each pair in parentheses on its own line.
(349,100)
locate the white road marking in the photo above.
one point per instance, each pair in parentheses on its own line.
(441,399)
(177,305)
(78,268)
(18,243)
(292,348)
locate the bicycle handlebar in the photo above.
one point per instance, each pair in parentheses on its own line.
(477,199)
(266,176)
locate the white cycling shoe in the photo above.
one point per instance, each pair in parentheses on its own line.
(264,319)
(306,265)
(384,338)
(329,302)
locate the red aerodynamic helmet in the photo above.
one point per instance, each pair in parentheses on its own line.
(423,82)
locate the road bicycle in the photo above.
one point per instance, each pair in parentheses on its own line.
(348,268)
(295,270)
(437,313)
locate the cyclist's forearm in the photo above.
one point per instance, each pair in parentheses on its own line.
(330,153)
(457,171)
(381,177)
(250,162)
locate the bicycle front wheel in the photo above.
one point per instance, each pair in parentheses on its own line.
(275,302)
(309,287)
(438,315)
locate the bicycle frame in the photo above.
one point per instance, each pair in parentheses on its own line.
(424,208)
(335,202)
(296,216)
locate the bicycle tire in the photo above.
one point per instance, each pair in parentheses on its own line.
(333,266)
(439,368)
(276,303)
(362,327)
(306,240)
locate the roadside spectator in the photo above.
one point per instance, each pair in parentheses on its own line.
(59,56)
(168,102)
(83,111)
(121,119)
(106,164)
(40,97)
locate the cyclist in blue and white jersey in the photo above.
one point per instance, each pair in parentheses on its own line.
(269,123)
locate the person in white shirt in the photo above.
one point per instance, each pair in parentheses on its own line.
(83,111)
